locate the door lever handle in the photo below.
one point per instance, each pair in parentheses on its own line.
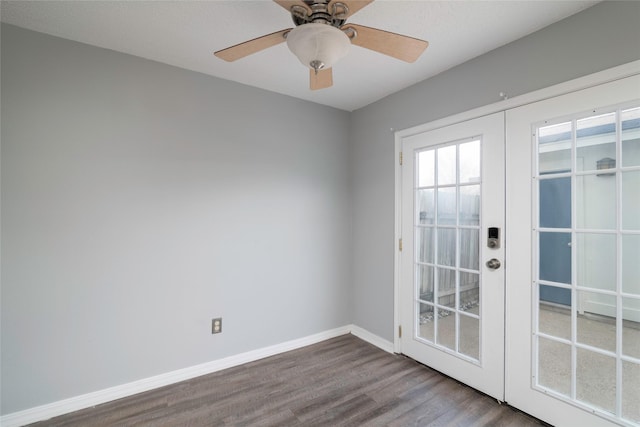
(493,264)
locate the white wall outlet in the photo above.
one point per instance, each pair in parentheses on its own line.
(216,325)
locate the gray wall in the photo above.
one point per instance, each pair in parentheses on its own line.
(140,200)
(598,38)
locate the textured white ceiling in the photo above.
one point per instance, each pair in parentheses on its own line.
(186,33)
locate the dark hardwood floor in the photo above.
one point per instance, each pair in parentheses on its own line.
(339,382)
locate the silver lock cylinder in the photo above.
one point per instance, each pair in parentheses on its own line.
(493,264)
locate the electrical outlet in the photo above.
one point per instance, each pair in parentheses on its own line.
(216,325)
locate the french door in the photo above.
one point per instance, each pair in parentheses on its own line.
(452,292)
(573,282)
(541,309)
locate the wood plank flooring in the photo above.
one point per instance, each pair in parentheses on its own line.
(343,381)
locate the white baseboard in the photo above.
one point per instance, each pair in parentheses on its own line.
(45,412)
(367,336)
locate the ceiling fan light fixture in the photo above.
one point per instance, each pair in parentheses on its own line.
(318,46)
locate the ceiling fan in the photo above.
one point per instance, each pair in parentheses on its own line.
(322,36)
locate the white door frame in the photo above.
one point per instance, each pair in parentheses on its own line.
(612,74)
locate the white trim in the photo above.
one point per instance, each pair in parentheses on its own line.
(612,74)
(371,338)
(397,346)
(61,407)
(609,75)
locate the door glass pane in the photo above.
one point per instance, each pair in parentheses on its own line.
(554,148)
(447,287)
(555,257)
(425,207)
(554,365)
(425,322)
(424,243)
(631,329)
(470,205)
(630,392)
(594,327)
(469,248)
(447,206)
(554,314)
(447,246)
(469,292)
(470,162)
(596,379)
(631,200)
(596,255)
(596,202)
(447,165)
(596,142)
(555,203)
(469,336)
(630,264)
(425,281)
(447,329)
(426,168)
(555,295)
(631,137)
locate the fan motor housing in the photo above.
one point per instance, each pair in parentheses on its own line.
(320,13)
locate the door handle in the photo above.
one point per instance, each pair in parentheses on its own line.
(493,264)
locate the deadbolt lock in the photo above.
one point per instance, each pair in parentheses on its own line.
(493,237)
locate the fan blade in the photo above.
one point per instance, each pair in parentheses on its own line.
(252,46)
(398,46)
(322,80)
(287,4)
(353,5)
